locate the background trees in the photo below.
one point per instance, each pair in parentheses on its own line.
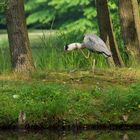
(62,14)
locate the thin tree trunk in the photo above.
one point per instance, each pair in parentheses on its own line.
(136,19)
(106,32)
(21,57)
(130,26)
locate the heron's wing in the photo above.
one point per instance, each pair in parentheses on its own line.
(95,44)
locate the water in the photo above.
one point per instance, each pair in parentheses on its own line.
(84,135)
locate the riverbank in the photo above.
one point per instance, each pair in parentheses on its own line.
(71,99)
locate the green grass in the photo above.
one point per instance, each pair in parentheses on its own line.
(49,103)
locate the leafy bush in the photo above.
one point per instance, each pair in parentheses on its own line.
(123,101)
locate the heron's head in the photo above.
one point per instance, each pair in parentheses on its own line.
(72,46)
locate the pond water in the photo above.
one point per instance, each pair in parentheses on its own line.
(83,135)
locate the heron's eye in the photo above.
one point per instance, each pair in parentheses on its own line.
(66,47)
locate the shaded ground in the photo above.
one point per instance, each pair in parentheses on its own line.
(84,79)
(102,78)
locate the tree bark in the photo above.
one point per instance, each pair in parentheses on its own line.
(130,27)
(106,32)
(21,57)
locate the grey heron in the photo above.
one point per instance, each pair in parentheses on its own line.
(93,43)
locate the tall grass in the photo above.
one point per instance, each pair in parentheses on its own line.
(4,53)
(5,65)
(48,52)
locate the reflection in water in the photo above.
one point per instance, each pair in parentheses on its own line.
(84,135)
(125,137)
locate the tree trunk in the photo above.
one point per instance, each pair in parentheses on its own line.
(20,51)
(130,27)
(106,32)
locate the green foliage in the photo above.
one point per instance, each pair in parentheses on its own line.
(3,5)
(123,101)
(65,14)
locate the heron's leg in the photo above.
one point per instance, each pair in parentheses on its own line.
(93,65)
(86,56)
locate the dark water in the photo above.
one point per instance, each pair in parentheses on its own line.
(84,135)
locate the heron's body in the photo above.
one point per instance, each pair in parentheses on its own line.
(93,43)
(96,44)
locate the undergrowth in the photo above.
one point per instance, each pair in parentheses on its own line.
(48,104)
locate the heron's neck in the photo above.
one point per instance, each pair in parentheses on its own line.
(79,45)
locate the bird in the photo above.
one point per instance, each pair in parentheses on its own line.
(93,43)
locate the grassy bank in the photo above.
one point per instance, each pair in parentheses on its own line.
(71,98)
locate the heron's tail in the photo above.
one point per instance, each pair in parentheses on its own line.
(107,54)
